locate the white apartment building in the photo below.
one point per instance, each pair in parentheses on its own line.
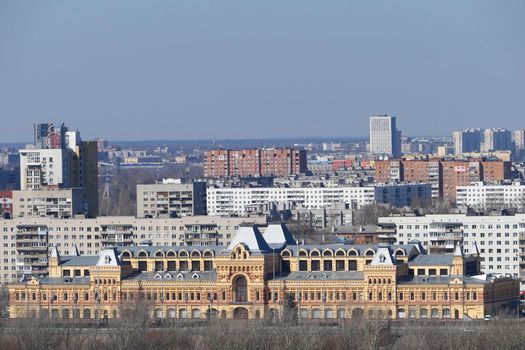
(385,139)
(482,196)
(499,239)
(44,167)
(240,201)
(25,242)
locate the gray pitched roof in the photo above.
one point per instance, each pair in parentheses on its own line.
(322,275)
(428,260)
(82,260)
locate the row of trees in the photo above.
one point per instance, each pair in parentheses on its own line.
(219,334)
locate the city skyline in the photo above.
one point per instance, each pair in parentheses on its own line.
(145,73)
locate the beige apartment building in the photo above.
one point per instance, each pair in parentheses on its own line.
(57,203)
(25,242)
(171,199)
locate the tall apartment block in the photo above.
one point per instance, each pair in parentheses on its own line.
(467,141)
(497,140)
(59,159)
(385,139)
(478,140)
(171,199)
(444,175)
(518,142)
(254,162)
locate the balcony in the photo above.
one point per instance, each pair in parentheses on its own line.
(241,303)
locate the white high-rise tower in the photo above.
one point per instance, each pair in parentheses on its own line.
(385,139)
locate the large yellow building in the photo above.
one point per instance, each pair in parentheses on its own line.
(266,276)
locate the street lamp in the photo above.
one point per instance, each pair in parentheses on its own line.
(75,301)
(324,305)
(186,303)
(299,297)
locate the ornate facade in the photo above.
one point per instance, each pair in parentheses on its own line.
(265,276)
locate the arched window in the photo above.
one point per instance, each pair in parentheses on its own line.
(400,252)
(241,289)
(86,313)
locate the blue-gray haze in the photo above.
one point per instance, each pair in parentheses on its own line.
(126,70)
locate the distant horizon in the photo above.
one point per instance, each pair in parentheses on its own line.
(292,138)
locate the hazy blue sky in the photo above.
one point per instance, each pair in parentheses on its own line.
(245,69)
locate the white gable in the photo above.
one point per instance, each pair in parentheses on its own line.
(108,257)
(383,257)
(278,234)
(251,238)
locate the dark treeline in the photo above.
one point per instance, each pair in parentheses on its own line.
(232,335)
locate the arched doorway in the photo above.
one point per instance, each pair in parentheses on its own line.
(240,313)
(456,314)
(240,289)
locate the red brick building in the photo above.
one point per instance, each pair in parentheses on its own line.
(341,164)
(254,162)
(446,175)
